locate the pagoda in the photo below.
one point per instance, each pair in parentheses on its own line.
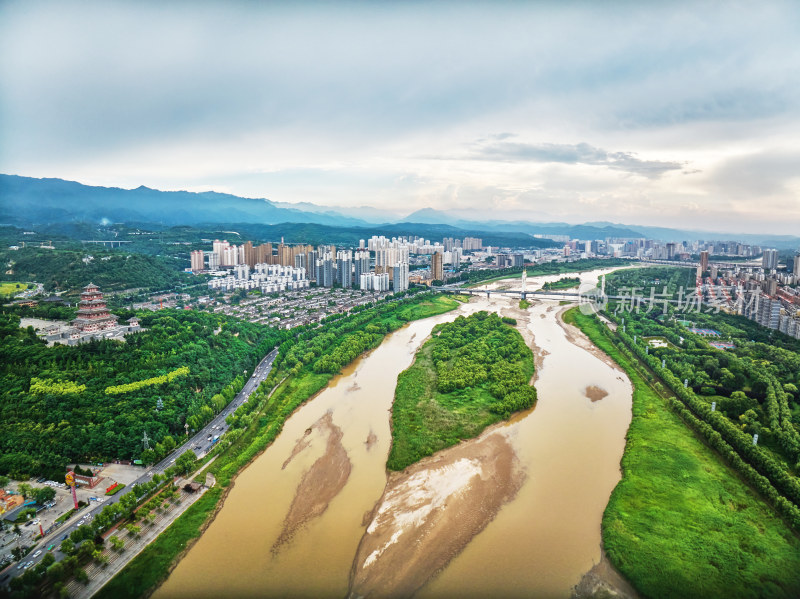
(93,315)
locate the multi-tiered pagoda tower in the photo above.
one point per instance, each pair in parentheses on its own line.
(93,315)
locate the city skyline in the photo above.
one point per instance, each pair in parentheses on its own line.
(676,115)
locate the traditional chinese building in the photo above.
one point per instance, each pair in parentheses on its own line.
(93,314)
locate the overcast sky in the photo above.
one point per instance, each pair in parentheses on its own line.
(662,113)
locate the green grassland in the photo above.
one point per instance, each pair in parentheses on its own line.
(472,373)
(12,288)
(681,523)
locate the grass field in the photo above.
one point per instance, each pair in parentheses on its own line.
(681,523)
(10,288)
(435,306)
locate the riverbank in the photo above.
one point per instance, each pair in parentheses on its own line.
(681,523)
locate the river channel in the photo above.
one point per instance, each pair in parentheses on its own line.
(305,518)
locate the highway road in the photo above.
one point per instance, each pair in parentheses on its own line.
(200,443)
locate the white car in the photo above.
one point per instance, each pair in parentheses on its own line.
(38,553)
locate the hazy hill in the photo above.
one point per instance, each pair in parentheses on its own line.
(25,201)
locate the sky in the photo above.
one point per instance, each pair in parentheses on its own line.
(683,114)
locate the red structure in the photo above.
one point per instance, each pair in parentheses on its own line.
(93,314)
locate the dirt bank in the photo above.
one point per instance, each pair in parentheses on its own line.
(576,336)
(603,581)
(323,481)
(430,511)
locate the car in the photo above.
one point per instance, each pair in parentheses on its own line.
(38,553)
(53,546)
(28,565)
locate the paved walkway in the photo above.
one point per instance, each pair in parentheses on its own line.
(99,575)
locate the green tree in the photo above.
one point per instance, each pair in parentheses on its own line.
(116,543)
(55,572)
(81,576)
(133,530)
(44,494)
(25,490)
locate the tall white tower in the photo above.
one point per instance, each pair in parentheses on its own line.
(524,280)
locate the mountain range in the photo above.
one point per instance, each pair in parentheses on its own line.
(31,202)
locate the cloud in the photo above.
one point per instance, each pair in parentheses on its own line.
(581,153)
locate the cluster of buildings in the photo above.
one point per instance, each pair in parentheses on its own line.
(268,278)
(658,250)
(764,294)
(379,264)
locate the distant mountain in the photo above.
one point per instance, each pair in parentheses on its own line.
(668,234)
(433,216)
(317,234)
(28,202)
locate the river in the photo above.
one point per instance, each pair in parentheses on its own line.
(295,522)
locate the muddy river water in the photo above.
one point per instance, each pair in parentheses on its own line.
(515,512)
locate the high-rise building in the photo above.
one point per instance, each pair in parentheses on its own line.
(437,266)
(703,261)
(249,254)
(198,263)
(769,260)
(264,254)
(344,268)
(796,267)
(325,271)
(213,260)
(361,265)
(472,243)
(219,248)
(400,277)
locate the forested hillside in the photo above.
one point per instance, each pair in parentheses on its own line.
(95,401)
(69,270)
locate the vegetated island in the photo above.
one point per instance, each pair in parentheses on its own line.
(473,372)
(563,283)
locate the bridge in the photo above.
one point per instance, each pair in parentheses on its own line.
(109,243)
